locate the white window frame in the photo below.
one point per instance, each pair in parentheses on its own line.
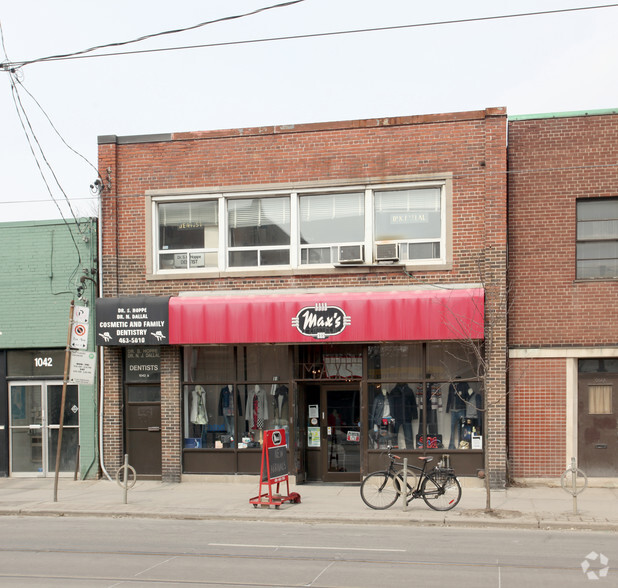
(442,181)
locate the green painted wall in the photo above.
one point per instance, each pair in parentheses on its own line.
(41,263)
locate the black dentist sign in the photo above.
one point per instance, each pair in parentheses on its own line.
(133,320)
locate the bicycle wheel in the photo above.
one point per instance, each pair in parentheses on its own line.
(412,479)
(441,493)
(378,491)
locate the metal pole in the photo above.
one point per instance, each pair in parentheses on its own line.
(574,483)
(404,490)
(67,355)
(126,476)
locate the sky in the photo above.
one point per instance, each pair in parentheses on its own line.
(530,64)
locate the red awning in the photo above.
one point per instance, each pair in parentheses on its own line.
(410,315)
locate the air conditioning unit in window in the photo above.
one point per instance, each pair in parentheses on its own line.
(387,252)
(351,254)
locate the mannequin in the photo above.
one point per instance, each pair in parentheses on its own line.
(227,406)
(458,394)
(404,410)
(256,410)
(280,403)
(381,417)
(199,415)
(430,402)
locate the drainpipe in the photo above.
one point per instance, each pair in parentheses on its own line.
(101,379)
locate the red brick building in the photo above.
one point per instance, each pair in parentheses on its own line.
(337,280)
(563,310)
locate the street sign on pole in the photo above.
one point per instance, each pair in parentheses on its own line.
(83,366)
(79,328)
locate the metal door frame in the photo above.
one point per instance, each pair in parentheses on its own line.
(45,427)
(325,387)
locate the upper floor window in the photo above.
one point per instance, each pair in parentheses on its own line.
(597,238)
(293,229)
(408,223)
(258,231)
(188,234)
(326,222)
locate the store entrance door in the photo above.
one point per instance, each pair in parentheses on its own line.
(341,457)
(144,429)
(598,424)
(34,424)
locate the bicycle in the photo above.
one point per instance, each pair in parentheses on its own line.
(439,488)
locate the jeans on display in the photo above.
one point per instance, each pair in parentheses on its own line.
(229,424)
(407,433)
(456,416)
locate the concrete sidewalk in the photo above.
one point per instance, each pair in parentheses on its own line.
(529,507)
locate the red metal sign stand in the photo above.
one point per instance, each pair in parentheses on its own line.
(274,470)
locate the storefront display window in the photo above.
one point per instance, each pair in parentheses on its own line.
(231,413)
(425,415)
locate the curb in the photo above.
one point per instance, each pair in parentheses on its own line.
(530,523)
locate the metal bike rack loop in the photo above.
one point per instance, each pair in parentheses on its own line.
(569,482)
(123,474)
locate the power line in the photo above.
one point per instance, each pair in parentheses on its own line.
(80,54)
(160,34)
(507,173)
(56,130)
(22,115)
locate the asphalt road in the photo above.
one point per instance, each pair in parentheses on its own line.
(97,552)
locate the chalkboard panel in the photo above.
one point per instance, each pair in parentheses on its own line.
(277,463)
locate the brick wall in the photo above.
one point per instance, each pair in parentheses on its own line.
(552,163)
(537,417)
(470,146)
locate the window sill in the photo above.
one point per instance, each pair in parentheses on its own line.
(303,271)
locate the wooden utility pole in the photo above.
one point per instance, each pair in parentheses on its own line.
(67,356)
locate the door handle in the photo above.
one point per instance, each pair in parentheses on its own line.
(153,429)
(601,446)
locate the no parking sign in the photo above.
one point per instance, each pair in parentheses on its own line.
(79,328)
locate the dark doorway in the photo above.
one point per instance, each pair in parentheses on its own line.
(143,432)
(597,422)
(333,433)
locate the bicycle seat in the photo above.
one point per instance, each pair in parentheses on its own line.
(426,458)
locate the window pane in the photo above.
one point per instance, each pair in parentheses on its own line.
(407,214)
(332,218)
(209,364)
(243,258)
(597,268)
(392,415)
(259,222)
(144,394)
(599,399)
(275,257)
(211,412)
(187,225)
(598,250)
(263,363)
(395,362)
(451,360)
(315,255)
(266,406)
(423,250)
(603,229)
(588,210)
